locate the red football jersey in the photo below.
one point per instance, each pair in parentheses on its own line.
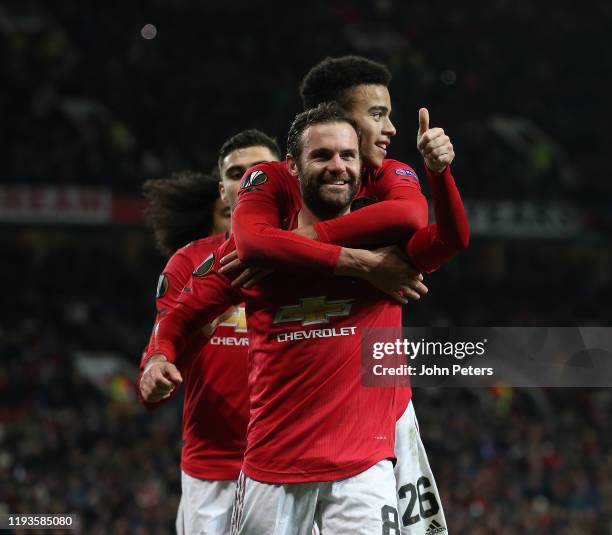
(216,409)
(311,419)
(270,198)
(392,210)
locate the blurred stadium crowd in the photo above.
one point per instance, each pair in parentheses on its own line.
(87,101)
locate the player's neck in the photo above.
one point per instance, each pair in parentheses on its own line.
(307,217)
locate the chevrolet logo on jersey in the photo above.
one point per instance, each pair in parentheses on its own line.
(313,310)
(237,320)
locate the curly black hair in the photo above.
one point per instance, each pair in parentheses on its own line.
(180,208)
(331,79)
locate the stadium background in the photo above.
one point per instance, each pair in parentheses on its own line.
(90,109)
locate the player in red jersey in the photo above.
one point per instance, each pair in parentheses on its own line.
(360,86)
(390,190)
(305,450)
(215,411)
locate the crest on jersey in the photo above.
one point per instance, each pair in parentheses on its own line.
(404,171)
(205,266)
(254,179)
(237,320)
(313,310)
(162,286)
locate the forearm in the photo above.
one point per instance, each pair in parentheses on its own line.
(258,241)
(382,223)
(171,333)
(354,263)
(431,247)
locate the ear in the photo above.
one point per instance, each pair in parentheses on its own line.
(292,165)
(222,191)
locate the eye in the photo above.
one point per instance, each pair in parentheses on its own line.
(235,175)
(377,115)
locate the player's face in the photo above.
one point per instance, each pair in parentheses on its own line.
(222,220)
(329,168)
(235,164)
(371,109)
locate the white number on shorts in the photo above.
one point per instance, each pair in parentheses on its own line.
(425,498)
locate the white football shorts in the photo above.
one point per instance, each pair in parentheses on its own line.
(205,507)
(359,505)
(419,504)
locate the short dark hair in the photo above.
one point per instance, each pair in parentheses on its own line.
(328,112)
(180,208)
(245,139)
(331,79)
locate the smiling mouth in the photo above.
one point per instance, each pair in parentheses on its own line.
(382,146)
(336,183)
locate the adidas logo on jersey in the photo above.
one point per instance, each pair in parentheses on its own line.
(435,527)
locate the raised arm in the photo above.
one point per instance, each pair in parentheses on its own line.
(434,245)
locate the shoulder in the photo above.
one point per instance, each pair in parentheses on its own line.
(392,173)
(397,168)
(194,251)
(260,173)
(272,180)
(209,258)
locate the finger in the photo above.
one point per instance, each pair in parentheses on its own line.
(158,396)
(257,277)
(439,141)
(161,382)
(441,161)
(411,294)
(229,257)
(397,297)
(419,287)
(423,121)
(231,265)
(439,151)
(435,134)
(174,375)
(242,278)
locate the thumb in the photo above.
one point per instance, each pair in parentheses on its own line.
(174,375)
(423,120)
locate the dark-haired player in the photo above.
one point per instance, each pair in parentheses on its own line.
(317,442)
(393,209)
(213,370)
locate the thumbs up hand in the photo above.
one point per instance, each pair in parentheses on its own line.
(433,144)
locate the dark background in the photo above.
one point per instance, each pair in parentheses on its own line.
(87,102)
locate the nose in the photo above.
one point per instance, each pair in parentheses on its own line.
(389,128)
(336,164)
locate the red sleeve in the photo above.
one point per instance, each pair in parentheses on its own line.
(434,245)
(402,210)
(169,285)
(265,200)
(205,297)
